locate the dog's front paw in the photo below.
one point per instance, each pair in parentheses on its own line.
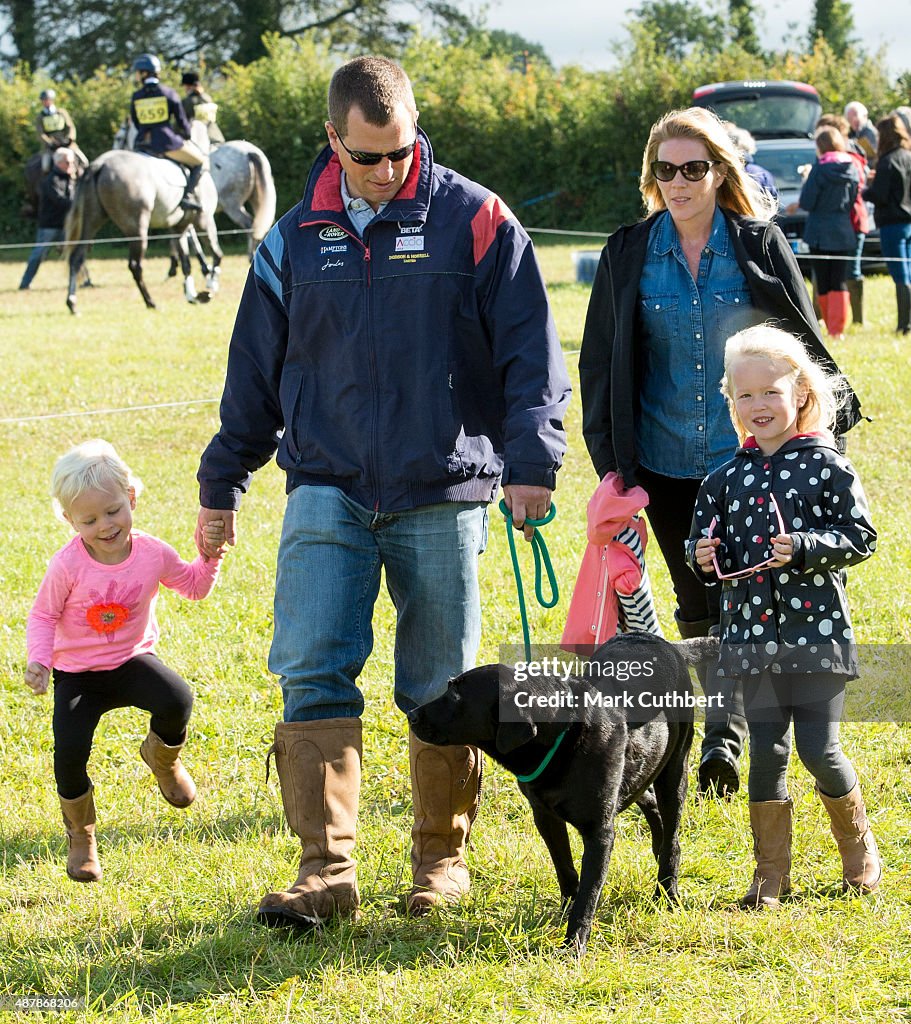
(666,892)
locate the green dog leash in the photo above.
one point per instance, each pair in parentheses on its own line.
(542,559)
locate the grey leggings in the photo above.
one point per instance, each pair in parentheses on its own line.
(814,703)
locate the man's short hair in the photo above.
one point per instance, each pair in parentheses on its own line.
(62,154)
(856,107)
(374,84)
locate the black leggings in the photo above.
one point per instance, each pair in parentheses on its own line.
(671,502)
(832,274)
(81,698)
(814,703)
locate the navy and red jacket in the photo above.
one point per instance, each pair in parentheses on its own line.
(418,365)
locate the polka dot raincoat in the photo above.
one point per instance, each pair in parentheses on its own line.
(793,619)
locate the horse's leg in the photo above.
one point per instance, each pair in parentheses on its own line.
(77,264)
(212,234)
(137,252)
(189,286)
(193,239)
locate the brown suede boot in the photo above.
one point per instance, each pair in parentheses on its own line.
(446,790)
(770,821)
(79,818)
(173,779)
(319,771)
(861,867)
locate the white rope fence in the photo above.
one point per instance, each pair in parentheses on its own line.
(108,412)
(112,241)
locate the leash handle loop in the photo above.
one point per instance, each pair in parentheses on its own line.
(542,559)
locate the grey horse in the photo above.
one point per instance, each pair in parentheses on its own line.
(138,192)
(243,179)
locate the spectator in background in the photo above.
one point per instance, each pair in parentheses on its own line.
(745,145)
(828,196)
(890,193)
(860,218)
(55,196)
(862,130)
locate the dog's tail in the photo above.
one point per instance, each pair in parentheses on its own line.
(698,650)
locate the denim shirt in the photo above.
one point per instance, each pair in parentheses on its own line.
(683,428)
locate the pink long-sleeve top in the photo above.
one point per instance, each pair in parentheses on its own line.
(89,616)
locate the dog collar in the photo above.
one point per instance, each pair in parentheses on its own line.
(548,757)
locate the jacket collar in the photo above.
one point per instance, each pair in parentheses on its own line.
(322,199)
(667,239)
(750,449)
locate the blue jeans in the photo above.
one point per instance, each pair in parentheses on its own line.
(38,254)
(327,583)
(896,242)
(855,271)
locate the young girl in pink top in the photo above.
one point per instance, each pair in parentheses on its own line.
(93,623)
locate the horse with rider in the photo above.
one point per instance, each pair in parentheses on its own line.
(162,125)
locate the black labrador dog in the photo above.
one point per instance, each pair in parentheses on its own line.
(586,754)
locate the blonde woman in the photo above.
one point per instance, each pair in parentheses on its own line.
(706,262)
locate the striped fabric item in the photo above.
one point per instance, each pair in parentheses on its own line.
(637,610)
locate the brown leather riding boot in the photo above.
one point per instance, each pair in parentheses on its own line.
(770,821)
(319,771)
(79,818)
(173,779)
(446,790)
(862,868)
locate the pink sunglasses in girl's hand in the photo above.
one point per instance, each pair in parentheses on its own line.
(743,573)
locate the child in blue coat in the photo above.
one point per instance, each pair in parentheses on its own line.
(778,524)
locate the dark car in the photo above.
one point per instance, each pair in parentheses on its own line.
(768,110)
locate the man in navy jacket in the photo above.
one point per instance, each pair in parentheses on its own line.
(395,345)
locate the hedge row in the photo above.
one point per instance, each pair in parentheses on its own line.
(563,148)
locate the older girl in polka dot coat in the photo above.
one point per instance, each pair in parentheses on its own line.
(778,525)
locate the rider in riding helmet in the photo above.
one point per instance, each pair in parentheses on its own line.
(198,103)
(153,108)
(55,129)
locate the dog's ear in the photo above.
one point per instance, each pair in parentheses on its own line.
(511,735)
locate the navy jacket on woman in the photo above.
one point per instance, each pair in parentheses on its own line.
(828,196)
(417,365)
(610,362)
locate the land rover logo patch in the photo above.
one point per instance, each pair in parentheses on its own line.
(332,234)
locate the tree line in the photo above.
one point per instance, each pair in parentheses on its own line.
(563,147)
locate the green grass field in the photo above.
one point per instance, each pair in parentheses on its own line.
(169,933)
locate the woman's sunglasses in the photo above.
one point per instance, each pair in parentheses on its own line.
(743,573)
(692,170)
(359,156)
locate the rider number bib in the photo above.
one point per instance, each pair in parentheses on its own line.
(151,109)
(53,123)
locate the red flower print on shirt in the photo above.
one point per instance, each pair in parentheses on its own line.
(112,609)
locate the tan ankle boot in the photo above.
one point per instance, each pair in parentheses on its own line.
(770,821)
(446,789)
(319,771)
(82,863)
(173,779)
(862,868)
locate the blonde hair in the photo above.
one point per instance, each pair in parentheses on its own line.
(90,465)
(824,393)
(738,192)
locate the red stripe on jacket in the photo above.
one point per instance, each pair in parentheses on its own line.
(485,223)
